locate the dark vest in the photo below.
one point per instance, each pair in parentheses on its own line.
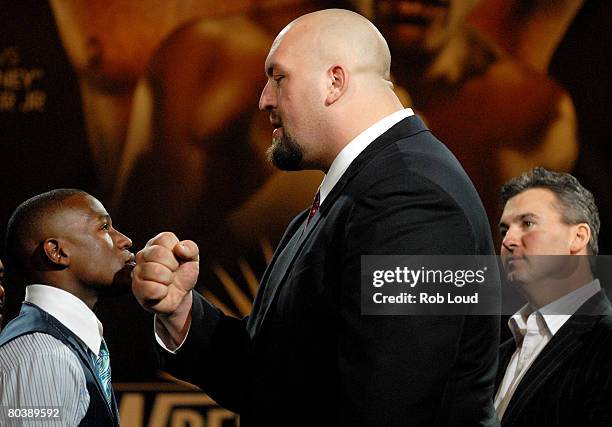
(32,319)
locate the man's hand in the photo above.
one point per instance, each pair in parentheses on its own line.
(166,271)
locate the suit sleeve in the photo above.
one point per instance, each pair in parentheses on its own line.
(215,354)
(431,370)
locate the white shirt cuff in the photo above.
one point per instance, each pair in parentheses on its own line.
(163,337)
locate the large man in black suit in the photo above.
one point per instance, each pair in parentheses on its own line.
(557,369)
(306,355)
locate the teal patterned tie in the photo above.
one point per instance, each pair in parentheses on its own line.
(104,371)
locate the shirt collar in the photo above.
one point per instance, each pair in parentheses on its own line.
(70,311)
(555,314)
(344,159)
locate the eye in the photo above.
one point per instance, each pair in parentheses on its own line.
(527,223)
(105,226)
(503,231)
(278,79)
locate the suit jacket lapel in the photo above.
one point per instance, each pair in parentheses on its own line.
(506,350)
(564,344)
(263,294)
(297,235)
(279,270)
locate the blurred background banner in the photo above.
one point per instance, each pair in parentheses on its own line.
(151,106)
(164,404)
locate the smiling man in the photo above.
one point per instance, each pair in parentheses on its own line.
(557,369)
(53,356)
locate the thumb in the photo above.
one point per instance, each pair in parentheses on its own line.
(186,251)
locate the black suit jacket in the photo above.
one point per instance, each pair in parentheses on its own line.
(306,355)
(570,382)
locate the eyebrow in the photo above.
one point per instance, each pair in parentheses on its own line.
(521,217)
(105,217)
(270,69)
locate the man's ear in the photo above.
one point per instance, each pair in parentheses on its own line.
(338,79)
(581,234)
(55,251)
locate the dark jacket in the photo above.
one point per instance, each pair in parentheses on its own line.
(570,382)
(307,356)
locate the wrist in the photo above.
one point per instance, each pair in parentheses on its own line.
(177,323)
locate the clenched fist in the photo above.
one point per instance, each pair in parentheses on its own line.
(166,271)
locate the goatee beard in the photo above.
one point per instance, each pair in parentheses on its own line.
(285,153)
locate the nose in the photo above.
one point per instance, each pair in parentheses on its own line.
(123,241)
(510,241)
(267,100)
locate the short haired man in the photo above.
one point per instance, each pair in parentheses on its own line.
(306,355)
(557,370)
(53,355)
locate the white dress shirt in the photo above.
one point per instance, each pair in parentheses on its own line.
(532,330)
(72,312)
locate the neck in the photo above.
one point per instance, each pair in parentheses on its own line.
(543,292)
(358,112)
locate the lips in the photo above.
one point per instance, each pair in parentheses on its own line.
(513,260)
(277,133)
(131,261)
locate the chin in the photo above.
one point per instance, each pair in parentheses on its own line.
(121,283)
(515,278)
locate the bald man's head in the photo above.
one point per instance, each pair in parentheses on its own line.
(328,80)
(340,36)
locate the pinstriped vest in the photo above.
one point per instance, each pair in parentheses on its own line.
(32,319)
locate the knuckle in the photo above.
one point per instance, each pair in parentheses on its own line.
(167,239)
(156,253)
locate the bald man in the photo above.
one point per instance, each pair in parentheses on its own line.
(306,355)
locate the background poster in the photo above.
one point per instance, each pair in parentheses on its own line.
(151,106)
